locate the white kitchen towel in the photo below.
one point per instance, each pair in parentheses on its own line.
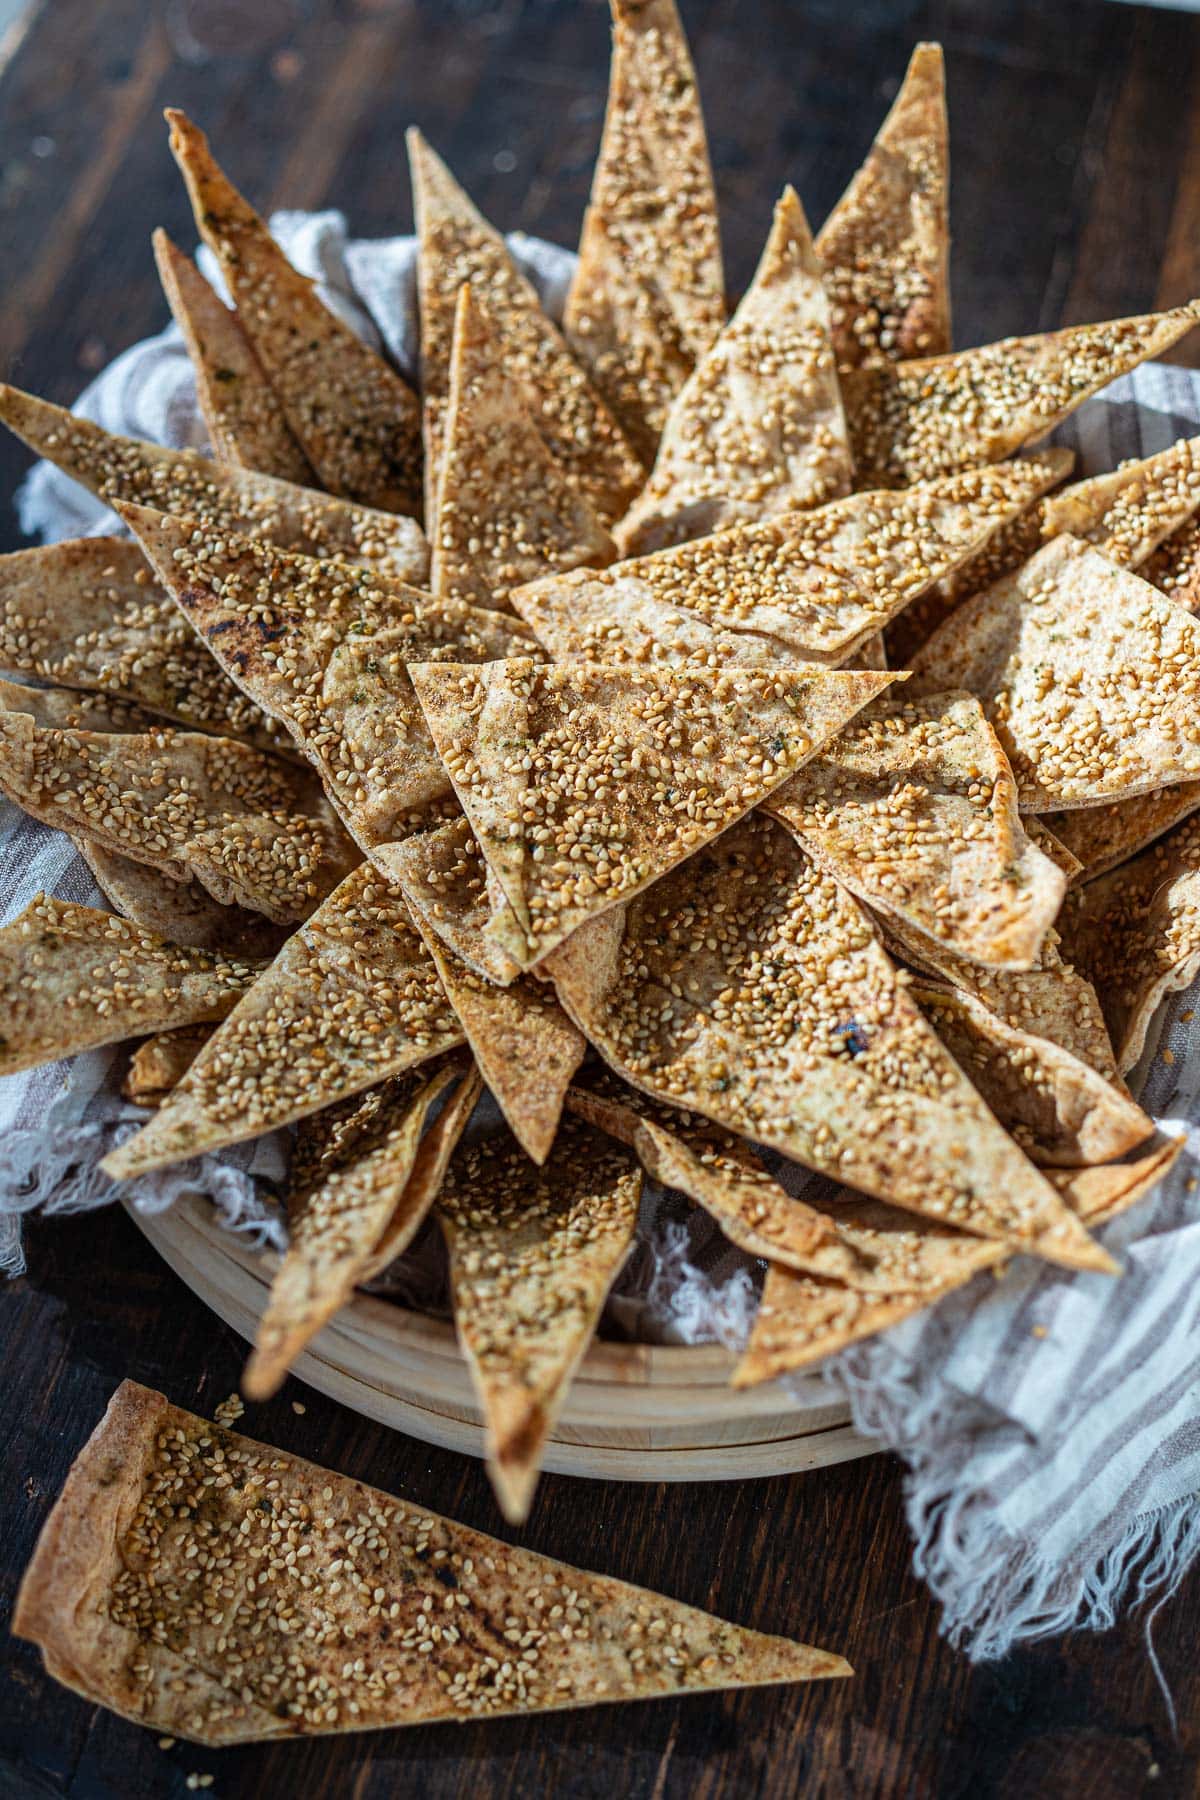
(1050,1423)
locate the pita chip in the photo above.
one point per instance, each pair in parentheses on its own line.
(524,1045)
(1175,566)
(914,420)
(1101,1194)
(1052,846)
(913,807)
(325,650)
(179,907)
(1088,674)
(88,613)
(758,427)
(1129,512)
(1060,1111)
(885,247)
(126,1613)
(506,514)
(811,586)
(160,1063)
(1011,546)
(75,709)
(356,419)
(452,892)
(457,246)
(749,987)
(1101,837)
(351,1000)
(222,498)
(246,424)
(1136,933)
(341,1199)
(648,297)
(533,1253)
(254,831)
(584,784)
(73,978)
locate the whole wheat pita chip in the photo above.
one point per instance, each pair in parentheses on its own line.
(1051,1000)
(533,1253)
(325,650)
(648,295)
(1058,1109)
(222,498)
(253,830)
(1129,512)
(76,709)
(88,613)
(1099,1195)
(583,784)
(885,247)
(524,1045)
(749,987)
(340,1201)
(357,420)
(351,1000)
(450,888)
(1101,837)
(243,1643)
(1136,933)
(758,428)
(814,586)
(914,420)
(73,978)
(913,807)
(1175,566)
(159,1064)
(506,514)
(246,424)
(1089,675)
(424,1184)
(179,907)
(457,245)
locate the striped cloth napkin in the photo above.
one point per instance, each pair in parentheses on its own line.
(1050,1423)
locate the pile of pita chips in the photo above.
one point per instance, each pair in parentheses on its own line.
(235,1646)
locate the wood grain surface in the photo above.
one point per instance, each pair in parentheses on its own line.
(1076,145)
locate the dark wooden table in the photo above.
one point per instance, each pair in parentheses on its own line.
(1076,196)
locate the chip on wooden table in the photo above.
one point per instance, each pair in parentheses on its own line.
(584,783)
(758,427)
(319,1604)
(352,999)
(748,986)
(885,247)
(648,295)
(357,420)
(222,498)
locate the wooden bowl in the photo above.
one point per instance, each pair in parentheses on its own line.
(635,1412)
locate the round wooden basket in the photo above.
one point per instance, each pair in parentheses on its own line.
(634,1413)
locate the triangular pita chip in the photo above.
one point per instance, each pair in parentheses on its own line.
(340,1201)
(222,498)
(749,987)
(449,886)
(913,807)
(1101,837)
(253,830)
(758,427)
(424,1183)
(246,424)
(325,650)
(1175,566)
(1128,513)
(885,247)
(350,1000)
(506,513)
(1089,675)
(533,1253)
(128,1614)
(813,586)
(524,1045)
(1136,933)
(584,784)
(179,907)
(1052,846)
(159,1064)
(914,420)
(1058,1109)
(76,709)
(1099,1195)
(358,422)
(648,296)
(72,978)
(89,613)
(458,245)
